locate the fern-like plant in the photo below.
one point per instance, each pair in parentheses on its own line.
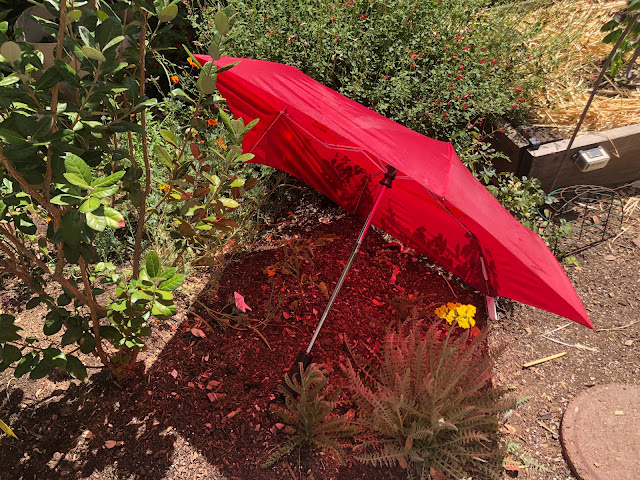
(429,403)
(309,410)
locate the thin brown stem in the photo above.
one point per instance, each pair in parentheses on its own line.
(28,188)
(18,245)
(145,154)
(93,308)
(54,100)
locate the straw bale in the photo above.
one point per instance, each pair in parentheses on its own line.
(564,96)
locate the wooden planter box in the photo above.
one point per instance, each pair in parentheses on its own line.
(622,144)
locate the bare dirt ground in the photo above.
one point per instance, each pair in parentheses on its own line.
(163,424)
(608,282)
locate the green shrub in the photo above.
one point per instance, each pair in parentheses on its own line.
(76,160)
(441,68)
(428,403)
(309,410)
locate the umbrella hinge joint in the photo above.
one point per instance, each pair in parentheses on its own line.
(389,176)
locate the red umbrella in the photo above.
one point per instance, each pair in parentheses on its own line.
(342,149)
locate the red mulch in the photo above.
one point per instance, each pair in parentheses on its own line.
(231,423)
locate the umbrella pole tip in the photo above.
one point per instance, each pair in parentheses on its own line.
(294,372)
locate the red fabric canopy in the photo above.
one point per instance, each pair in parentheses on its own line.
(435,205)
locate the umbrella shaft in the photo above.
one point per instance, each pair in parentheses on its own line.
(346,269)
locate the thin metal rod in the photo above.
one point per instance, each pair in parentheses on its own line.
(346,269)
(605,66)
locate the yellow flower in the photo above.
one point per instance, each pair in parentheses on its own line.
(463,315)
(175,78)
(211,122)
(192,63)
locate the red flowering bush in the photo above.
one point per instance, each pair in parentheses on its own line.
(436,67)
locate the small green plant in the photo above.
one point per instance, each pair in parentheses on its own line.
(297,257)
(309,410)
(518,459)
(631,42)
(427,402)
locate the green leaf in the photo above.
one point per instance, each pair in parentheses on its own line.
(108,181)
(168,13)
(238,182)
(33,303)
(5,428)
(52,323)
(87,343)
(66,199)
(221,22)
(612,37)
(26,364)
(11,353)
(76,369)
(104,192)
(169,136)
(8,331)
(76,166)
(104,217)
(71,228)
(173,283)
(179,93)
(54,357)
(214,51)
(9,80)
(41,370)
(168,273)
(109,332)
(11,137)
(206,84)
(228,202)
(90,205)
(11,51)
(163,311)
(163,155)
(114,41)
(245,157)
(153,264)
(74,15)
(93,54)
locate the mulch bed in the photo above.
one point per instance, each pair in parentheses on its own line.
(215,391)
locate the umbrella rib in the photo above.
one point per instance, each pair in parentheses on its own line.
(472,235)
(334,146)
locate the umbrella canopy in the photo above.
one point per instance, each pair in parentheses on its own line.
(436,205)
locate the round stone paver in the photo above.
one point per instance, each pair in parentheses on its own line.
(600,433)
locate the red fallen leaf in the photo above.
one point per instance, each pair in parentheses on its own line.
(240,303)
(475,331)
(376,346)
(174,373)
(110,443)
(377,303)
(196,332)
(315,312)
(286,315)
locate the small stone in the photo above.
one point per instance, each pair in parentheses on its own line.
(628,343)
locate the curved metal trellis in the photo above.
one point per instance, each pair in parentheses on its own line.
(580,217)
